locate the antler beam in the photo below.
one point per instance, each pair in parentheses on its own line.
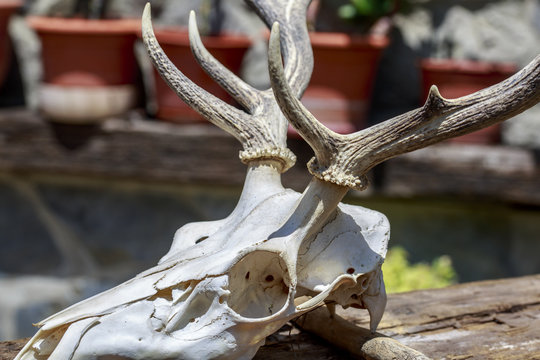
(345,159)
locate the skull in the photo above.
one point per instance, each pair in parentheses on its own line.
(226,285)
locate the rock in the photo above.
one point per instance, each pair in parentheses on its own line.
(523,130)
(503,31)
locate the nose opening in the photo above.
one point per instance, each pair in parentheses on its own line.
(258,284)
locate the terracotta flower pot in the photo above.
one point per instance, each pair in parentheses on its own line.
(340,89)
(456,78)
(228,49)
(89,67)
(7,7)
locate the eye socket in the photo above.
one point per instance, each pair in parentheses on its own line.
(201,239)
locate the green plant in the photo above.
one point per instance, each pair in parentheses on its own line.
(371,15)
(400,275)
(367,9)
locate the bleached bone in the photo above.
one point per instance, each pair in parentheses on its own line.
(261,128)
(226,285)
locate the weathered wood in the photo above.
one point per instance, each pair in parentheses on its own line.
(290,343)
(497,319)
(145,150)
(8,349)
(356,340)
(126,148)
(154,151)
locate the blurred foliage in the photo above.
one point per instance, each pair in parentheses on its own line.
(400,275)
(371,15)
(357,9)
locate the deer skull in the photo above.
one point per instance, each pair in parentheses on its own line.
(226,285)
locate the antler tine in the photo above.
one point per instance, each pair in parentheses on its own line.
(212,108)
(297,52)
(325,143)
(315,133)
(244,94)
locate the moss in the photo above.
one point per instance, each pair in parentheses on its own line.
(400,275)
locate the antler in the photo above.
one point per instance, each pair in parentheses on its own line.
(261,129)
(297,52)
(345,159)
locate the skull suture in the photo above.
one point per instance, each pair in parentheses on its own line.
(226,285)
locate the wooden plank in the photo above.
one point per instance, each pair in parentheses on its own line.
(154,151)
(138,149)
(497,319)
(135,148)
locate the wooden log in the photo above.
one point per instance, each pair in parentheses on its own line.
(356,340)
(498,319)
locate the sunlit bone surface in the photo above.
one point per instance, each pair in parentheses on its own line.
(226,285)
(220,297)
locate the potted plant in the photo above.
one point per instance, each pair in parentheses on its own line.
(7,7)
(228,49)
(89,66)
(345,62)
